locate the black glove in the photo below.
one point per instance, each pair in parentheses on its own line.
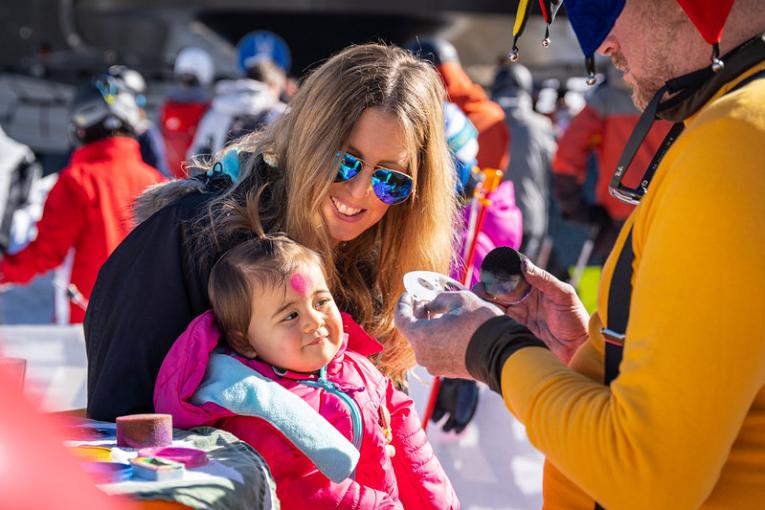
(589,215)
(598,215)
(459,399)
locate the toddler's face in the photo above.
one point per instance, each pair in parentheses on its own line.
(295,326)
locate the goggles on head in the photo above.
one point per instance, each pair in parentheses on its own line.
(391,186)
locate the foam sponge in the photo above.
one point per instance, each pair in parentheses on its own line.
(144,430)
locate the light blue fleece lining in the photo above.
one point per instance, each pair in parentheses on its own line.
(242,390)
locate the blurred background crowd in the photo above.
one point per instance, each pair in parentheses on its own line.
(191,76)
(100,99)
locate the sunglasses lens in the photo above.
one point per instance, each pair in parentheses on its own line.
(390,186)
(348,167)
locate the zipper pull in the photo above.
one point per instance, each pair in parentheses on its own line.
(385,420)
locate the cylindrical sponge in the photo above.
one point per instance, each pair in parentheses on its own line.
(144,430)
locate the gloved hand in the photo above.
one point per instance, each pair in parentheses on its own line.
(457,398)
(598,215)
(589,215)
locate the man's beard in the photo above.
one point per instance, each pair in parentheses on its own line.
(643,89)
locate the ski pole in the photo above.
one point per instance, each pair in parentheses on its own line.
(584,255)
(491,180)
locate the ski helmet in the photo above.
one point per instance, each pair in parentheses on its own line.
(195,62)
(102,107)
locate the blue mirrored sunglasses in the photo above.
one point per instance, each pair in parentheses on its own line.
(391,186)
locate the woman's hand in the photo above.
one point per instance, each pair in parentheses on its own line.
(552,311)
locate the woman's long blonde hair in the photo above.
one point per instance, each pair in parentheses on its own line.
(364,274)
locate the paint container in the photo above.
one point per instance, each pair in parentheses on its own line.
(189,457)
(107,472)
(426,285)
(157,469)
(145,430)
(92,453)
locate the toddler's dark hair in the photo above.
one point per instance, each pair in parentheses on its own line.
(263,262)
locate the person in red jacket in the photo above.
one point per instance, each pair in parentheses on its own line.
(602,127)
(486,115)
(89,207)
(186,104)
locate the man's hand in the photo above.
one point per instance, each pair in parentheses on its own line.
(440,330)
(553,312)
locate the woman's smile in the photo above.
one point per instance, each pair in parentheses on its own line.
(344,208)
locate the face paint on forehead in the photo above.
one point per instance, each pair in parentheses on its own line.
(300,282)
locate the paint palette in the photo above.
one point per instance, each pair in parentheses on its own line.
(157,468)
(426,285)
(107,472)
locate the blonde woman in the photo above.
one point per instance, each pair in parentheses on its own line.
(357,170)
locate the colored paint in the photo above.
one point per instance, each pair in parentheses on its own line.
(93,453)
(300,283)
(107,472)
(156,468)
(190,457)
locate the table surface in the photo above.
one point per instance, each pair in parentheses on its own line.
(235,477)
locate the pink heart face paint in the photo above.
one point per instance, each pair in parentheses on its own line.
(300,283)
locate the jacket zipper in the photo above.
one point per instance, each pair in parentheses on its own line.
(331,387)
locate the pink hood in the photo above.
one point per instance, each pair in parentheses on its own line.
(184,368)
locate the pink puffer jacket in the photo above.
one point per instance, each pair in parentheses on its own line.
(502,226)
(412,478)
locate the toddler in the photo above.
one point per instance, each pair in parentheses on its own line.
(273,317)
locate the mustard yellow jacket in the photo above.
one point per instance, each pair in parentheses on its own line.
(683,426)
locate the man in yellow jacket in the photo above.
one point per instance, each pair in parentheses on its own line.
(682,422)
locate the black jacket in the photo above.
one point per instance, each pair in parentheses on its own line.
(146,294)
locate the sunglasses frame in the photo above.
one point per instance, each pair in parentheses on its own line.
(342,154)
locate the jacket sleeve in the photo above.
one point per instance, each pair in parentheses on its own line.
(298,483)
(422,482)
(577,142)
(62,221)
(694,359)
(211,134)
(494,144)
(570,162)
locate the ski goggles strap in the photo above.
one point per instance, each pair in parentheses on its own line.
(633,195)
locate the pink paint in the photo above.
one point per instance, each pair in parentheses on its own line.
(300,283)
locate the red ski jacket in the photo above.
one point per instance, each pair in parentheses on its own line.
(88,209)
(486,115)
(603,127)
(179,121)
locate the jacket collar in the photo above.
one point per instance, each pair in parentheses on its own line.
(689,93)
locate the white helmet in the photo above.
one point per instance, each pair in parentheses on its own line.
(130,77)
(101,106)
(196,62)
